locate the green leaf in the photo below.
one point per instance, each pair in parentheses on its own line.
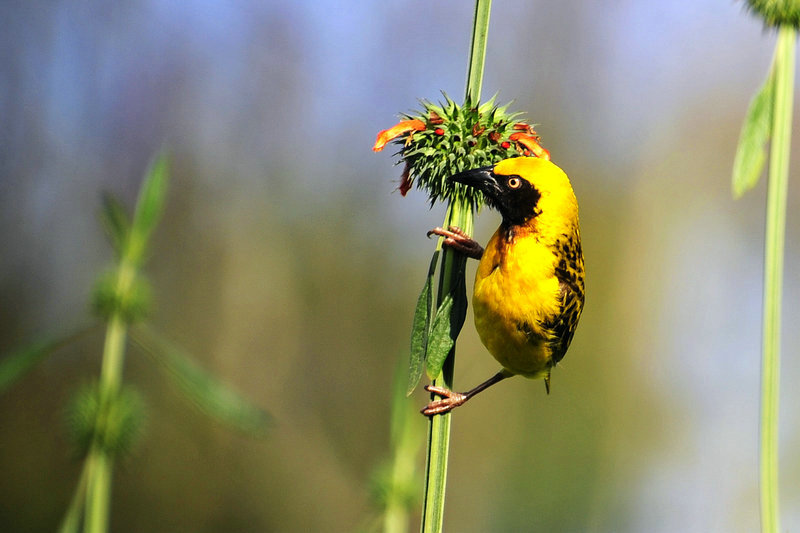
(16,364)
(20,362)
(115,222)
(440,341)
(459,313)
(204,390)
(149,207)
(751,151)
(421,327)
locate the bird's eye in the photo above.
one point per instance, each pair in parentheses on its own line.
(514,182)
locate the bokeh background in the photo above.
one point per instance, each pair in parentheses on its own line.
(289,267)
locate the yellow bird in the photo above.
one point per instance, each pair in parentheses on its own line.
(529,287)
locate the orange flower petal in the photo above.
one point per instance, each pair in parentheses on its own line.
(404,126)
(531,143)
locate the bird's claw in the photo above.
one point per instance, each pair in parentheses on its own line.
(456,239)
(450,400)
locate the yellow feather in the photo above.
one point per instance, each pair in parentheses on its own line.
(518,295)
(529,287)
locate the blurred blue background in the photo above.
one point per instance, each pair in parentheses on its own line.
(288,265)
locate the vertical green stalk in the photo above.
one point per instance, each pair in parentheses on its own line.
(93,492)
(72,520)
(98,491)
(120,298)
(453,266)
(99,462)
(773,274)
(452,272)
(400,483)
(477,51)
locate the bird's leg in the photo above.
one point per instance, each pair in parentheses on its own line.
(450,400)
(458,240)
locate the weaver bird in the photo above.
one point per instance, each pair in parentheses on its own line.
(529,287)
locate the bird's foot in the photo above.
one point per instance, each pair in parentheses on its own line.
(450,400)
(456,239)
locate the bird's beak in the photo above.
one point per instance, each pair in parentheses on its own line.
(484,179)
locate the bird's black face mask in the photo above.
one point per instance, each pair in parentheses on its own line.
(513,196)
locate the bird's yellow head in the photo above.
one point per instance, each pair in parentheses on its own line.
(523,189)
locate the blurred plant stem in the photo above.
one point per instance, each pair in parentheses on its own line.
(93,491)
(452,273)
(99,462)
(399,487)
(72,519)
(98,491)
(107,419)
(784,66)
(105,415)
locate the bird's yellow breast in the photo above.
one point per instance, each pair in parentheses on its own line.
(516,291)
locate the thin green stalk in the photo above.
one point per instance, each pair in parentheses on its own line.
(113,355)
(72,519)
(477,51)
(406,442)
(98,491)
(99,462)
(452,272)
(120,299)
(773,274)
(395,518)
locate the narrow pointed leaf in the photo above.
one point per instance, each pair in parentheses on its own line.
(115,222)
(421,327)
(18,363)
(440,340)
(459,313)
(201,387)
(751,153)
(149,206)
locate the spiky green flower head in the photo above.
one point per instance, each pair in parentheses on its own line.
(445,139)
(777,12)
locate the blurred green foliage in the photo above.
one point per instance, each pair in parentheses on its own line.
(286,264)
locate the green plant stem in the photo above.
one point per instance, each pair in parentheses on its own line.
(72,518)
(406,443)
(477,51)
(395,518)
(452,273)
(113,355)
(773,274)
(99,462)
(98,491)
